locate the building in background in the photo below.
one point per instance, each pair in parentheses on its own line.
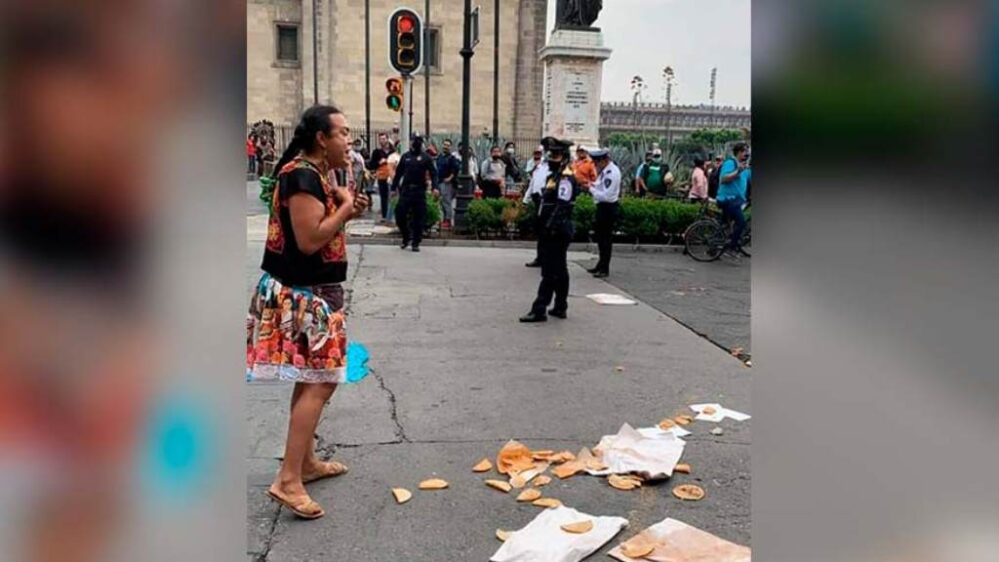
(652,118)
(280,63)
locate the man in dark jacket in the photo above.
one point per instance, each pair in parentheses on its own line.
(415,169)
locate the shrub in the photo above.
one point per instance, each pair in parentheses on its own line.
(640,218)
(583,215)
(434,212)
(481,217)
(526,219)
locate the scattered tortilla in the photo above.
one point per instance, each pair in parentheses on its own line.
(503,535)
(499,485)
(579,527)
(543,455)
(529,495)
(682,468)
(683,419)
(637,550)
(596,465)
(483,466)
(517,481)
(514,457)
(564,456)
(541,480)
(568,469)
(619,369)
(402,495)
(433,484)
(624,482)
(666,424)
(547,502)
(709,410)
(689,492)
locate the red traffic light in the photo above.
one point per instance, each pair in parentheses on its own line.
(406,24)
(394,85)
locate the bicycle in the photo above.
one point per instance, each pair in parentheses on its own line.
(706,238)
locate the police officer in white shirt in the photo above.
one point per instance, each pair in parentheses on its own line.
(606,192)
(539,176)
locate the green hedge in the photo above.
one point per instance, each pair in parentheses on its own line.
(434,212)
(639,219)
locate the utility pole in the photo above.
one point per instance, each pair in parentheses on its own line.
(426,70)
(315,54)
(668,75)
(465,187)
(367,73)
(714,82)
(496,58)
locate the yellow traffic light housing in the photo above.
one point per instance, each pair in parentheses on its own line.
(395,96)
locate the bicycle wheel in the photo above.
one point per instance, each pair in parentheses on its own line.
(747,237)
(704,240)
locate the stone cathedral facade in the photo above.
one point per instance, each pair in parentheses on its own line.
(281,74)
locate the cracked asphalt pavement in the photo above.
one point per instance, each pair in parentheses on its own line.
(454,375)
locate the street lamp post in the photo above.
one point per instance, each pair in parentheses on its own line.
(668,75)
(496,47)
(367,73)
(637,85)
(465,182)
(426,71)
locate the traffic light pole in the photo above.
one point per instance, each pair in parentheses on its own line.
(466,185)
(406,117)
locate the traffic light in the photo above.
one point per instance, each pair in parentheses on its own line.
(394,99)
(405,41)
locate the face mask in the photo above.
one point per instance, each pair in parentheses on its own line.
(510,151)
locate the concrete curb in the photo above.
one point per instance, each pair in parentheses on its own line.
(515,244)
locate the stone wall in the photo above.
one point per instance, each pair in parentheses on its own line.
(280,94)
(273,90)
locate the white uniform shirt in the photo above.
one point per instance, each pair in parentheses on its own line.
(538,179)
(607,188)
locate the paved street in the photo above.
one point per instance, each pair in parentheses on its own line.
(454,376)
(712,299)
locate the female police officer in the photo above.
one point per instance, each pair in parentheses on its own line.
(555,216)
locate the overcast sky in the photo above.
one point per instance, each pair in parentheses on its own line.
(692,36)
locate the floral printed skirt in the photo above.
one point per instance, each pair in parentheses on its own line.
(296,334)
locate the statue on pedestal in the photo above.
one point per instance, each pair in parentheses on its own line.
(576,13)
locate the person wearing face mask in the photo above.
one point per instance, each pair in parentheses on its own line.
(555,215)
(605,191)
(539,176)
(448,168)
(535,160)
(656,175)
(415,167)
(640,188)
(493,175)
(513,173)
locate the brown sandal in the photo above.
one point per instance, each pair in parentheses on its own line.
(329,470)
(307,509)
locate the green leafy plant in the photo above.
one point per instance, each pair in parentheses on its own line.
(583,216)
(481,218)
(434,212)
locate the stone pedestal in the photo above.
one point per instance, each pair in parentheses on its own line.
(573,61)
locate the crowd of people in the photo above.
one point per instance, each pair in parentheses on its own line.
(397,183)
(260,149)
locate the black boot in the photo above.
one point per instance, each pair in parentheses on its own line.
(600,274)
(404,245)
(557,313)
(533,317)
(416,248)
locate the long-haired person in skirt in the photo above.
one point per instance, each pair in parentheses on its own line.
(296,325)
